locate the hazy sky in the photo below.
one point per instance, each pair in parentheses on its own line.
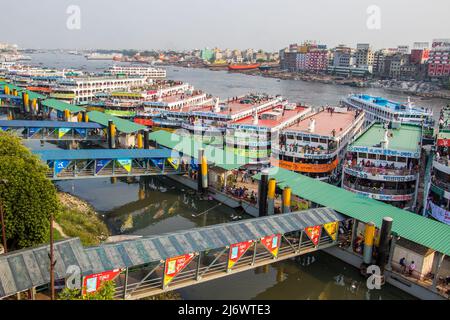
(187,24)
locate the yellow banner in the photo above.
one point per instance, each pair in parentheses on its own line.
(174,162)
(332,229)
(307,167)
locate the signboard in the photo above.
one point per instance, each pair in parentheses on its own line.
(382,197)
(237,250)
(314,234)
(60,165)
(62,132)
(272,243)
(332,229)
(387,152)
(33,131)
(81,131)
(439,213)
(376,176)
(174,162)
(443,142)
(174,265)
(125,163)
(158,162)
(308,167)
(92,282)
(100,164)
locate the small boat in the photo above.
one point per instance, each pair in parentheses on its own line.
(238,67)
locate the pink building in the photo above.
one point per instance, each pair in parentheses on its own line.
(317,60)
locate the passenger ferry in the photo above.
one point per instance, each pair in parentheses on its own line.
(315,145)
(383,163)
(437,203)
(251,136)
(379,109)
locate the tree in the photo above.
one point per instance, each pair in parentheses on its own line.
(28,197)
(105,292)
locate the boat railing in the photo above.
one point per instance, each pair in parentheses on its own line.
(441,184)
(383,171)
(377,190)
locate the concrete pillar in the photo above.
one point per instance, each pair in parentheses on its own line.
(383,249)
(369,235)
(111,135)
(286,207)
(201,152)
(437,262)
(271,196)
(262,194)
(146,139)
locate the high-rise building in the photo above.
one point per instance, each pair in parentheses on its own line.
(364,55)
(439,58)
(343,56)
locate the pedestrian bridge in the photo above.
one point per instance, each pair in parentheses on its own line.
(55,130)
(102,163)
(154,264)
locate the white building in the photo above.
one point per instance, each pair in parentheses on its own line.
(140,71)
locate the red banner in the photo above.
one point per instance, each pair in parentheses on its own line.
(236,252)
(314,233)
(175,265)
(92,282)
(443,142)
(272,243)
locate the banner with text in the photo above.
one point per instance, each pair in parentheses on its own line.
(174,162)
(60,165)
(332,229)
(314,233)
(174,265)
(272,243)
(158,162)
(62,132)
(237,250)
(125,163)
(92,282)
(100,164)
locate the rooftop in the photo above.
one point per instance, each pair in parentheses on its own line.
(61,105)
(270,123)
(326,122)
(122,125)
(405,138)
(392,105)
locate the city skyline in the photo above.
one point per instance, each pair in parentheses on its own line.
(263,24)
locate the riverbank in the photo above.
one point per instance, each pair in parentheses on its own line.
(79,219)
(423,89)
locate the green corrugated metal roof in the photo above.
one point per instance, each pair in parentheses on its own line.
(406,138)
(122,125)
(189,146)
(61,105)
(34,95)
(427,232)
(443,134)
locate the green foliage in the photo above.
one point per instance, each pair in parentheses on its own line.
(28,197)
(87,226)
(105,292)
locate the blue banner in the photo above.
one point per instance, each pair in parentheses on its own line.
(60,165)
(158,162)
(194,165)
(5,128)
(81,132)
(100,164)
(33,131)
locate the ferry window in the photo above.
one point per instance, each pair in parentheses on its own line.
(382,157)
(314,140)
(401,159)
(323,140)
(299,138)
(306,139)
(372,156)
(288,158)
(290,136)
(391,158)
(362,155)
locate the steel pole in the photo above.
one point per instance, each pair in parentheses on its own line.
(52,266)
(5,249)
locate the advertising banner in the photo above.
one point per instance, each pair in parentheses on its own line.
(100,164)
(92,282)
(125,163)
(237,250)
(439,213)
(272,243)
(314,233)
(60,165)
(174,265)
(33,131)
(332,229)
(62,132)
(308,167)
(158,162)
(443,142)
(174,162)
(81,131)
(194,165)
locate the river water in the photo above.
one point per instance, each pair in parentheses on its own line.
(150,206)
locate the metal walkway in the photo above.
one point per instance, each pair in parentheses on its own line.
(154,264)
(102,163)
(55,130)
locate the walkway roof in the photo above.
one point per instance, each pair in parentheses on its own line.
(48,124)
(425,231)
(84,154)
(189,146)
(23,269)
(122,125)
(61,105)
